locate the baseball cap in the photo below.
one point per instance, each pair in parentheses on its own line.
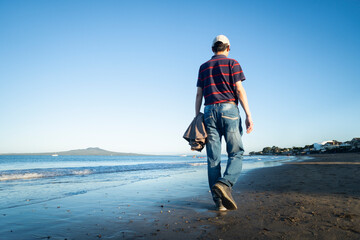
(221,38)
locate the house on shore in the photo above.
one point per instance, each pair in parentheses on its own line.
(331,146)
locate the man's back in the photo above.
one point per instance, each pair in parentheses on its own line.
(218,77)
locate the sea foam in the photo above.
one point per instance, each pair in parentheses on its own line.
(7,177)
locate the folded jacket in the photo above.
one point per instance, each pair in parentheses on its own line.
(195,134)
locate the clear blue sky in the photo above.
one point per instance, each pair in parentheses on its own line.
(121,75)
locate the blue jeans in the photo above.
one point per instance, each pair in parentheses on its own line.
(223,119)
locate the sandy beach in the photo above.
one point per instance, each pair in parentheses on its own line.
(317,198)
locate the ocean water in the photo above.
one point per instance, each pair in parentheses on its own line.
(28,180)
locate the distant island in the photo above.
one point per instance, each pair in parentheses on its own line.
(332,146)
(92,151)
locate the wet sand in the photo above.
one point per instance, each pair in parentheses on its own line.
(318,198)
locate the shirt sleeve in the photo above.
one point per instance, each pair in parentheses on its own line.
(199,82)
(237,72)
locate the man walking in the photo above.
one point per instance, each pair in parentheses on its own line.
(220,83)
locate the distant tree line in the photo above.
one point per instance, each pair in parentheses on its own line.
(324,147)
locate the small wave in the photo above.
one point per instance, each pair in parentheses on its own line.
(75,193)
(7,177)
(197,164)
(82,172)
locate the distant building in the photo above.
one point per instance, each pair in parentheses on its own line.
(331,146)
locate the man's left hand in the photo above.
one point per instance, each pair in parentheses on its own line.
(249,125)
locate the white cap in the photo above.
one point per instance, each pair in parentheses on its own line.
(221,38)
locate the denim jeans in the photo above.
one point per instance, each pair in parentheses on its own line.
(223,119)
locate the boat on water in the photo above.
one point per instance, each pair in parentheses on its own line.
(55,155)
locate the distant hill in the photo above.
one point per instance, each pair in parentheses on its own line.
(81,152)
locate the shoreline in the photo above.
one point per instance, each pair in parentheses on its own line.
(315,198)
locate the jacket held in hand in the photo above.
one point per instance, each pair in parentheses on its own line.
(195,134)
